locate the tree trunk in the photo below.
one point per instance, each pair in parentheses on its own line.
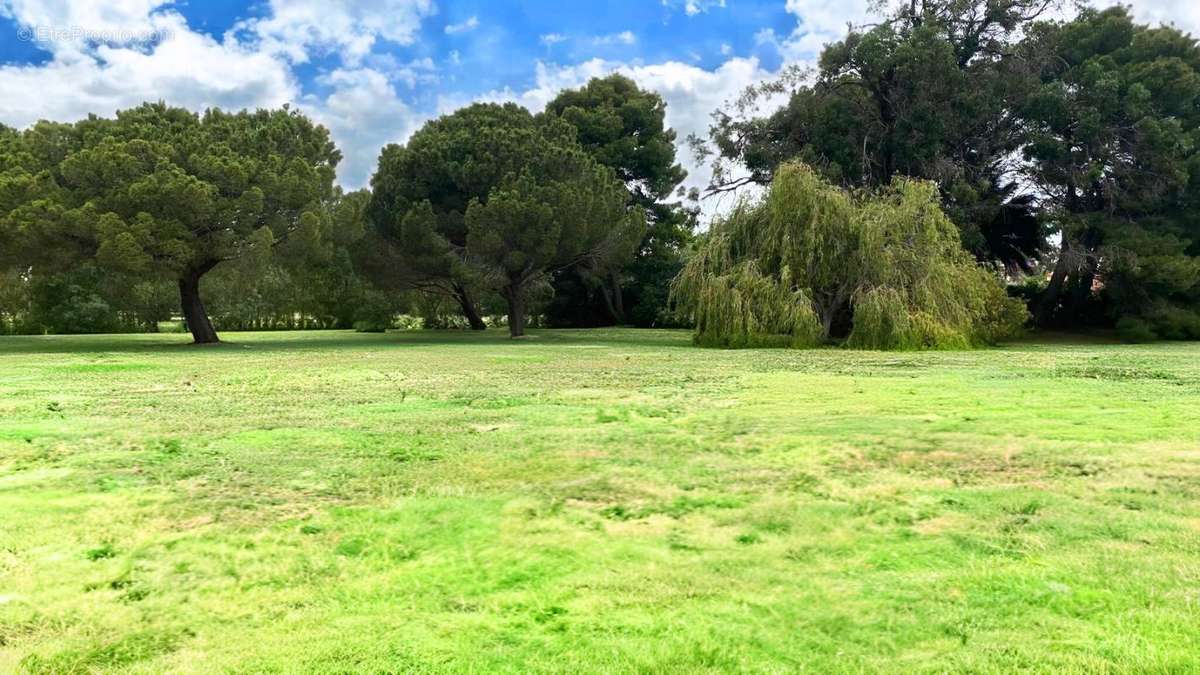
(606,294)
(194,313)
(618,298)
(515,295)
(469,309)
(1049,302)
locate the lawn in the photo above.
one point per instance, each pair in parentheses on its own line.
(611,500)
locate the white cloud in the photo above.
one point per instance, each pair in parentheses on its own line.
(363,113)
(625,37)
(188,69)
(468,25)
(77,18)
(1183,14)
(818,22)
(349,27)
(417,71)
(694,7)
(551,39)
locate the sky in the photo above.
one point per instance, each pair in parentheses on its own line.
(373,71)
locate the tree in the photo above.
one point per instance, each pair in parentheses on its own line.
(572,212)
(811,261)
(165,193)
(421,190)
(927,93)
(1114,133)
(424,192)
(624,128)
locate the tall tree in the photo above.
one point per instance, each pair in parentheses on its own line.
(163,192)
(624,128)
(423,192)
(1115,147)
(926,93)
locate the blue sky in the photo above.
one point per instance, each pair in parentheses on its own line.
(374,70)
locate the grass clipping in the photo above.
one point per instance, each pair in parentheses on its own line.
(789,269)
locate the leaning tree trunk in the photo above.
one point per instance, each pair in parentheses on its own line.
(1048,304)
(515,295)
(469,309)
(194,312)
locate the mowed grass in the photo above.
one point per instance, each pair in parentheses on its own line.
(595,501)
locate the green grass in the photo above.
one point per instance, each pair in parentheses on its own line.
(595,501)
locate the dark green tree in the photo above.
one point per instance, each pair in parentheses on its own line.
(542,179)
(624,128)
(1115,132)
(161,192)
(421,190)
(926,93)
(561,212)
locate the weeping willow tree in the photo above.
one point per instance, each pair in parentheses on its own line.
(792,268)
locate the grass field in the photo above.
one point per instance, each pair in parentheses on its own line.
(595,501)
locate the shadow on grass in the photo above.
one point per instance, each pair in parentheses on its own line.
(238,342)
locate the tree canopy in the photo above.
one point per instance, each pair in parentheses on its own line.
(925,93)
(1114,138)
(492,197)
(624,128)
(883,268)
(163,192)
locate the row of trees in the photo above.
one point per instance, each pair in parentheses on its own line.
(1079,135)
(1066,153)
(492,205)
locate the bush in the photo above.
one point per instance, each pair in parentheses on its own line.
(376,314)
(71,302)
(1135,329)
(1175,323)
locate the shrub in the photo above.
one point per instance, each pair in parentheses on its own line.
(1135,329)
(376,314)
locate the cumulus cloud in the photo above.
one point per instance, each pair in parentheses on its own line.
(349,27)
(694,7)
(363,113)
(187,69)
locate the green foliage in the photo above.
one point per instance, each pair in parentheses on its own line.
(491,197)
(624,128)
(926,92)
(809,254)
(743,308)
(1114,129)
(163,193)
(1134,329)
(376,313)
(72,302)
